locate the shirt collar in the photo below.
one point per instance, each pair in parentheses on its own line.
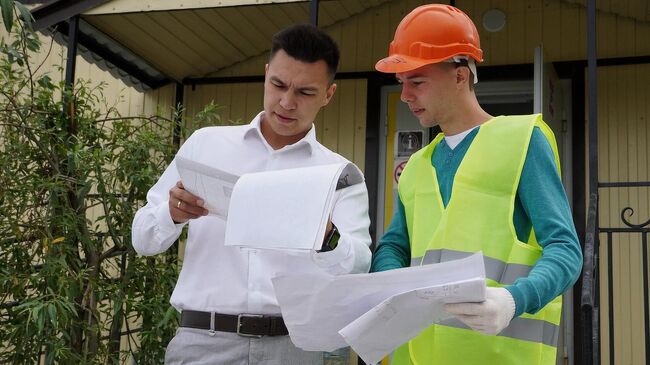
(254,130)
(456,139)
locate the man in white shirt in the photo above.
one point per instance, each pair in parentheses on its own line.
(229,313)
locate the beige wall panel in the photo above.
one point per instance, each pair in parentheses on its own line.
(254,100)
(347,39)
(623,116)
(642,45)
(382,32)
(573,21)
(516,41)
(331,119)
(364,49)
(346,94)
(360,124)
(239,103)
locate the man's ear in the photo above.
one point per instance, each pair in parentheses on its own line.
(266,69)
(329,93)
(462,77)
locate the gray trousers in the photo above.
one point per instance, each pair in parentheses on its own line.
(195,346)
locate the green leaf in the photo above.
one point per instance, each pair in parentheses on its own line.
(7,13)
(51,311)
(25,14)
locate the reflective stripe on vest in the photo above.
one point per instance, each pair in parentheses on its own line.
(520,328)
(478,217)
(497,270)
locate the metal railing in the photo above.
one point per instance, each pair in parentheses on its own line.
(589,303)
(590,296)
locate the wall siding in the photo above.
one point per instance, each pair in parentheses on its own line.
(623,153)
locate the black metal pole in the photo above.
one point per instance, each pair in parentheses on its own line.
(313,12)
(592,96)
(178,118)
(71,63)
(592,81)
(176,139)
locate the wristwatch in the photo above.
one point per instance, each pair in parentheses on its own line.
(331,241)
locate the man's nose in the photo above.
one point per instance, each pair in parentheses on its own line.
(406,95)
(288,100)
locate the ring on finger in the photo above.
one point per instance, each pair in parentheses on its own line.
(178,205)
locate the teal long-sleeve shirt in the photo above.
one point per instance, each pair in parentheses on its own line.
(540,202)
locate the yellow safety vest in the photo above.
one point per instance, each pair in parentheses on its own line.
(478,217)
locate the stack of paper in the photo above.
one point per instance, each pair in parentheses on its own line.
(286,209)
(374,313)
(403,316)
(212,185)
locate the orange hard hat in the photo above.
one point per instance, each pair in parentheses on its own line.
(431,34)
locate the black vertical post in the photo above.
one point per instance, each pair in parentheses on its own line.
(373,135)
(579,197)
(592,101)
(176,139)
(178,117)
(71,63)
(592,95)
(646,299)
(313,12)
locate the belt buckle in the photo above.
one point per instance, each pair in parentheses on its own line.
(240,323)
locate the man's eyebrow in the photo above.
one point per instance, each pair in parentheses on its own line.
(308,88)
(416,76)
(277,80)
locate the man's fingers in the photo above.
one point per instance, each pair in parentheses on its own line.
(184,205)
(191,208)
(186,197)
(178,193)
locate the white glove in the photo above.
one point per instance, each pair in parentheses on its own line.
(489,317)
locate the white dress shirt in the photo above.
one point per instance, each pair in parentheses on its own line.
(238,280)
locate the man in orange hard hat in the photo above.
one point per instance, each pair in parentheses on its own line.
(487,184)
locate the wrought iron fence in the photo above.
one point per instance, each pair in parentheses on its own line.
(590,296)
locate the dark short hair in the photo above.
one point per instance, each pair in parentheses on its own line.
(307,43)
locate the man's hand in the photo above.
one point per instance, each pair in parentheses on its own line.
(489,317)
(183,205)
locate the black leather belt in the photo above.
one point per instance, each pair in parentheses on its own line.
(248,325)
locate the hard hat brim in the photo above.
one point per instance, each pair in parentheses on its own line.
(401,63)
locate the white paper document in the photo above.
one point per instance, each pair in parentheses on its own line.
(212,185)
(393,306)
(286,209)
(403,316)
